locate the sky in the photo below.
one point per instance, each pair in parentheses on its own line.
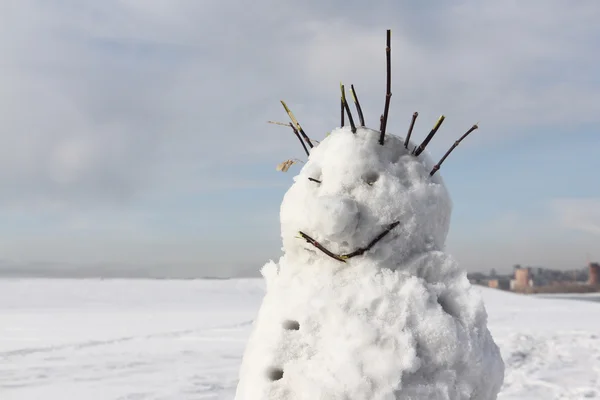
(134,131)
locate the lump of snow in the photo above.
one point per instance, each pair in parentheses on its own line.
(397,321)
(364,187)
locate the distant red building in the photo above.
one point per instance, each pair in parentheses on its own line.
(594,274)
(522,278)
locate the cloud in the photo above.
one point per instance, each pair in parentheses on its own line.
(506,64)
(105,105)
(99,99)
(543,237)
(102,103)
(578,214)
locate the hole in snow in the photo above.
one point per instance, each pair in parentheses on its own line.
(371,178)
(291,325)
(446,306)
(274,374)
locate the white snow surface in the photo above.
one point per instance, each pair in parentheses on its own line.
(179,340)
(397,322)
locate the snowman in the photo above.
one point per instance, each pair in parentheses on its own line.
(365,304)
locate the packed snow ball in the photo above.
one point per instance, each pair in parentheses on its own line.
(364,187)
(398,321)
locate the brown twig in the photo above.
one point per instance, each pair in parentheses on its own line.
(373,242)
(358,108)
(355,253)
(425,142)
(437,166)
(295,121)
(314,180)
(295,132)
(410,129)
(299,138)
(320,247)
(388,95)
(347,108)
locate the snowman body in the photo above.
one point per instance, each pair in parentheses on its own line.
(364,304)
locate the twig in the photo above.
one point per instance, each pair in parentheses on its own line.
(295,121)
(279,123)
(299,138)
(439,164)
(410,129)
(355,253)
(347,108)
(425,142)
(373,242)
(314,180)
(388,95)
(295,132)
(358,108)
(342,113)
(320,247)
(286,124)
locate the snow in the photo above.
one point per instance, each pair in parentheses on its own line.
(364,188)
(551,346)
(399,320)
(121,339)
(143,339)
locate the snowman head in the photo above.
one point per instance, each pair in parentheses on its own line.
(353,190)
(365,195)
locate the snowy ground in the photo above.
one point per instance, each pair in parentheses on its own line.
(136,339)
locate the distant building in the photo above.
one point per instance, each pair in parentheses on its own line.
(594,272)
(522,279)
(529,279)
(500,283)
(477,278)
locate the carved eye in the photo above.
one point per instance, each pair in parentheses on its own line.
(370,178)
(291,325)
(274,374)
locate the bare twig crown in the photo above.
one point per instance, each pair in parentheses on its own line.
(383,119)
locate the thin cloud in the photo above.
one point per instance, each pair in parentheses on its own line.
(98,98)
(581,215)
(108,104)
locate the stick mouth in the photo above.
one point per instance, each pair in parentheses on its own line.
(355,253)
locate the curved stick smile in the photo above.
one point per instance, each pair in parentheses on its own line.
(358,252)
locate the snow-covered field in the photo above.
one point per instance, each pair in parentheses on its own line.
(145,339)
